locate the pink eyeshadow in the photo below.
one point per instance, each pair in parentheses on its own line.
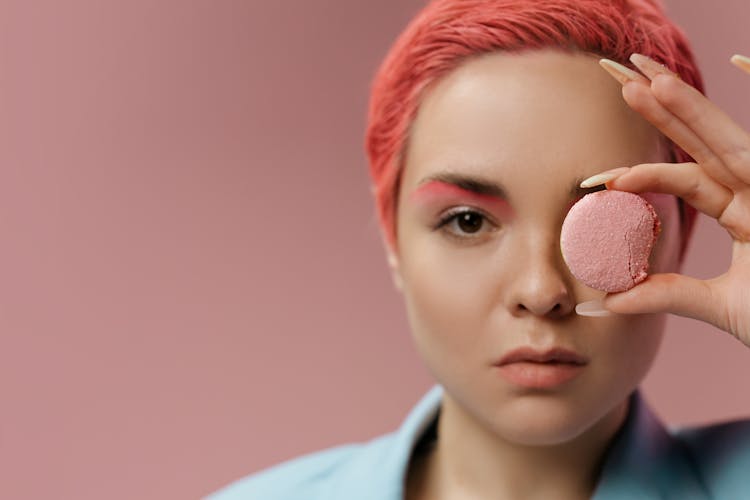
(440,191)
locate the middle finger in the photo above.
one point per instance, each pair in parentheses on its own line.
(641,98)
(725,138)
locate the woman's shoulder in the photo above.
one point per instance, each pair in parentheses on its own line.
(310,476)
(367,470)
(725,439)
(720,452)
(287,480)
(727,432)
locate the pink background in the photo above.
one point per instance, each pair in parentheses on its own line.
(193,282)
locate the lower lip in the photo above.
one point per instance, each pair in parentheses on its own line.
(539,375)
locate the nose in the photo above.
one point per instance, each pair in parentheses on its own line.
(541,283)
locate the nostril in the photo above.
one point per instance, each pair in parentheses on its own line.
(557,308)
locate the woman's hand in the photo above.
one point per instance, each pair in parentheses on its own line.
(717,184)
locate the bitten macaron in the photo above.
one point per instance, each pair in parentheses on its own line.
(607,238)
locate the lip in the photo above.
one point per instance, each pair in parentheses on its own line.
(529,354)
(534,369)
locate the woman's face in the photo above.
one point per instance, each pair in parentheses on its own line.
(533,125)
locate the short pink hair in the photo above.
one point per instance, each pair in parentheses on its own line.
(445,32)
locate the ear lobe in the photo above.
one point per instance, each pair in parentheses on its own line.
(393,264)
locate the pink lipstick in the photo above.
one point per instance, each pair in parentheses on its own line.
(534,369)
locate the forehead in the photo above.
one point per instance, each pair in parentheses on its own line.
(537,113)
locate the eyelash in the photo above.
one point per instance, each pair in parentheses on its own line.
(453,215)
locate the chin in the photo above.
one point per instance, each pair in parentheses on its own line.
(544,435)
(544,423)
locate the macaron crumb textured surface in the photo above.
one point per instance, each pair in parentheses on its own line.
(607,238)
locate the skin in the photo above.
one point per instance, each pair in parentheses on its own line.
(537,124)
(717,184)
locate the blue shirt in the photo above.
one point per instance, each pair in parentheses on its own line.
(645,461)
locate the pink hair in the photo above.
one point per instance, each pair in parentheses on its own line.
(445,32)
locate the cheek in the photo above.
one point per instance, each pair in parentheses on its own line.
(627,347)
(441,300)
(447,293)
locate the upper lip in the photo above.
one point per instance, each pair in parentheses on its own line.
(526,353)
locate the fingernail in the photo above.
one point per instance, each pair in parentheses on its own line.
(621,73)
(604,177)
(593,308)
(649,67)
(742,62)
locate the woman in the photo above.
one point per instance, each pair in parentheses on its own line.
(486,119)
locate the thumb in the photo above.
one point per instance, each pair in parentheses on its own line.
(667,292)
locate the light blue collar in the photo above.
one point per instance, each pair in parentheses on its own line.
(644,461)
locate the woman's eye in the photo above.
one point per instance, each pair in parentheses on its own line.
(463,224)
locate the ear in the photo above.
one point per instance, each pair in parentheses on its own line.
(393,264)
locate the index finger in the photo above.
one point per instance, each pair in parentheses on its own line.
(717,130)
(686,180)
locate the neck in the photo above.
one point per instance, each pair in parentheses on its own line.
(470,461)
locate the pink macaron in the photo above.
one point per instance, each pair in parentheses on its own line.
(607,238)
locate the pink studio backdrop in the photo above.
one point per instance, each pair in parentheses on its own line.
(193,282)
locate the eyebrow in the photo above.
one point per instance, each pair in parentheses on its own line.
(479,185)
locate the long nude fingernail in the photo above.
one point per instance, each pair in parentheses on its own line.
(742,62)
(621,73)
(604,177)
(649,67)
(593,308)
